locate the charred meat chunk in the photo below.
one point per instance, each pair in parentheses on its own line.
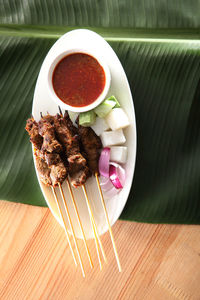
(60,147)
(58,169)
(43,171)
(48,118)
(32,129)
(70,125)
(67,135)
(50,166)
(76,162)
(91,144)
(80,177)
(47,131)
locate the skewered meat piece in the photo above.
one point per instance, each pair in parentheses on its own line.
(70,125)
(50,143)
(48,118)
(66,134)
(50,166)
(43,171)
(91,144)
(49,150)
(80,177)
(74,131)
(32,129)
(76,162)
(78,170)
(55,166)
(40,154)
(58,169)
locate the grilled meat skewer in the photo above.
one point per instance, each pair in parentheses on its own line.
(36,139)
(70,125)
(50,146)
(32,129)
(66,136)
(78,169)
(91,144)
(47,131)
(50,166)
(58,170)
(43,170)
(53,161)
(54,134)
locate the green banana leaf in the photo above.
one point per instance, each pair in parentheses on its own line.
(158,43)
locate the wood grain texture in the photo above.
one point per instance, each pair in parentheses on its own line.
(158,261)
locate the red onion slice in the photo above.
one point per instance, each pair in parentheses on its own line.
(105,183)
(117,175)
(104,162)
(111,192)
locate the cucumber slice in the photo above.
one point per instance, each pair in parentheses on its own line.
(112,98)
(87,118)
(104,108)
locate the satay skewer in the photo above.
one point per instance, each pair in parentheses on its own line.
(108,222)
(92,224)
(71,228)
(79,222)
(77,214)
(64,223)
(94,227)
(91,145)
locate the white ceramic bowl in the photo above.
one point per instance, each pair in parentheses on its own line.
(58,101)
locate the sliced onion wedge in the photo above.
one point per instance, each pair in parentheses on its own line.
(105,183)
(117,175)
(104,162)
(111,193)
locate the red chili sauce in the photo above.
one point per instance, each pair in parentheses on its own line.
(78,79)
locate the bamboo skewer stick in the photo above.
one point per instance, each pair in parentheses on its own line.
(92,224)
(96,244)
(77,214)
(62,217)
(100,243)
(79,222)
(108,223)
(93,221)
(98,237)
(94,227)
(72,229)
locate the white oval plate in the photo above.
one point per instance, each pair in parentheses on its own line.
(94,43)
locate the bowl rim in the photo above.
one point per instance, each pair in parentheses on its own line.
(57,100)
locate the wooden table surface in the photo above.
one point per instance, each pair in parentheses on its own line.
(158,261)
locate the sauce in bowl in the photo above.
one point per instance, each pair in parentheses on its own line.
(78,79)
